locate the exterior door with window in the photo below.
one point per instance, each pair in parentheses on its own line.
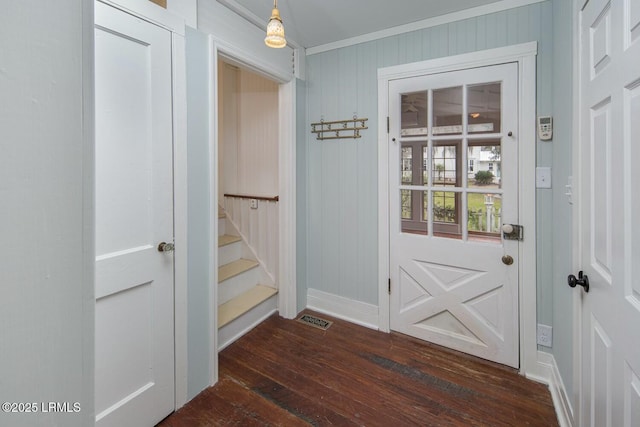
(453,179)
(609,201)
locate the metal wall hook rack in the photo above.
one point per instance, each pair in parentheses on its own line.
(339,129)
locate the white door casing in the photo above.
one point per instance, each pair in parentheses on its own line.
(608,236)
(134,213)
(287,287)
(449,284)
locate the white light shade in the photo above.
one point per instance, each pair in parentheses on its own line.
(275,31)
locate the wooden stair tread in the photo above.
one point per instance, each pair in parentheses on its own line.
(241,304)
(234,268)
(227,239)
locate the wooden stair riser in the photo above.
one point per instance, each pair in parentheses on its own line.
(237,285)
(222,226)
(243,324)
(229,253)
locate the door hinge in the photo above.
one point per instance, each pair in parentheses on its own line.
(389,290)
(387,124)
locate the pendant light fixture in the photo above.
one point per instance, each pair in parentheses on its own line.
(275,29)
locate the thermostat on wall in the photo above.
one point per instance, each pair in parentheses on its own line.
(545,127)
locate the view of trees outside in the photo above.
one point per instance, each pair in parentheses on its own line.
(483,171)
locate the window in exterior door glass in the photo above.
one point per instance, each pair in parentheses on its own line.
(414,113)
(484,216)
(447,111)
(406,166)
(484,108)
(425,159)
(445,158)
(405,202)
(484,164)
(445,206)
(412,218)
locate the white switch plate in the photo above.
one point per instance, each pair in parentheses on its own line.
(254,204)
(543,177)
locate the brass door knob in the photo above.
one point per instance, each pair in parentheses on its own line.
(507,259)
(166,247)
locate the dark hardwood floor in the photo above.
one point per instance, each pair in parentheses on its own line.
(290,374)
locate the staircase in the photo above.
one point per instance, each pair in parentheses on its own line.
(246,294)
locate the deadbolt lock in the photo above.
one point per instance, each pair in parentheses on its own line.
(512,232)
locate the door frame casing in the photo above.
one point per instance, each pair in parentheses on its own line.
(176,26)
(286,181)
(525,56)
(577,7)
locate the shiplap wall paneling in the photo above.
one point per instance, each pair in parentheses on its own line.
(367,176)
(227,130)
(260,229)
(257,135)
(248,143)
(335,181)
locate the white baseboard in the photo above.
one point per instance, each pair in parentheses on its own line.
(358,312)
(549,374)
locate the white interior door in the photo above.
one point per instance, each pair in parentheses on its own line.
(609,199)
(453,180)
(134,213)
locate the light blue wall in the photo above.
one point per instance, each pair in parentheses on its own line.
(341,187)
(47,255)
(199,246)
(562,320)
(342,174)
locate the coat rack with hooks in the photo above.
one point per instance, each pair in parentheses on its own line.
(339,129)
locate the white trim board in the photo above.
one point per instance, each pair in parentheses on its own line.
(236,329)
(425,23)
(213,207)
(180,218)
(576,9)
(360,313)
(524,55)
(287,209)
(166,19)
(287,179)
(549,374)
(148,11)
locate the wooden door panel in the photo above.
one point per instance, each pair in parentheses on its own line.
(451,286)
(437,301)
(608,207)
(134,364)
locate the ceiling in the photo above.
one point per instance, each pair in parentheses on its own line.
(310,23)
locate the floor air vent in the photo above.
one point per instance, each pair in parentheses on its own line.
(316,322)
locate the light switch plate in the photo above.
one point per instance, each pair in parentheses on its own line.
(543,177)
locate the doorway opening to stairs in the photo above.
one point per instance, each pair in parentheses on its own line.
(252,161)
(248,199)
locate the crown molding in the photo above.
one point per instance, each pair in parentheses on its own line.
(420,25)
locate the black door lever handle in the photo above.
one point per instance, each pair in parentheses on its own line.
(582,280)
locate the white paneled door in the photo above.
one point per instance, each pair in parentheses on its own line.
(609,202)
(453,182)
(134,213)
